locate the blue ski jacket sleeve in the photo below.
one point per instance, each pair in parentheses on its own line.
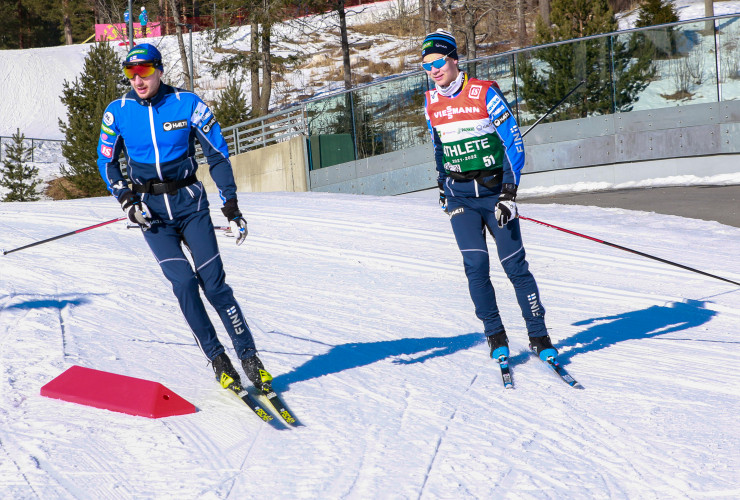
(507,129)
(157,138)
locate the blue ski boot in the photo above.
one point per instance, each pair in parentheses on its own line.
(542,346)
(499,344)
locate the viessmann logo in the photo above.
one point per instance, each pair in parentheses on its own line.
(451,111)
(167,126)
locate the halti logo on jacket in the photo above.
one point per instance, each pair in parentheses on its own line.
(207,126)
(167,126)
(501,119)
(450,111)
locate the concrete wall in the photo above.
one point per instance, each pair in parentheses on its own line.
(393,173)
(278,167)
(699,139)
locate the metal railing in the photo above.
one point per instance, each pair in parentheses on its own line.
(265,130)
(262,131)
(676,64)
(42,150)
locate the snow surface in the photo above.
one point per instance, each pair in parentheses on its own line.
(359,306)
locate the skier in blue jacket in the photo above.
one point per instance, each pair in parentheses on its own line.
(155,126)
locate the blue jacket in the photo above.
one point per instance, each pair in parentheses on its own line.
(157,137)
(143,18)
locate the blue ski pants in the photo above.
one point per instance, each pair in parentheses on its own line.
(195,232)
(469,218)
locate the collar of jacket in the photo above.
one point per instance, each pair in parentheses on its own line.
(164,89)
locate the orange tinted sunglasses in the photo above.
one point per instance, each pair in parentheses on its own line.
(143,70)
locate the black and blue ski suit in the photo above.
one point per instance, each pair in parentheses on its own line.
(478,147)
(157,137)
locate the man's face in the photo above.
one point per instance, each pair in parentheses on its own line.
(146,87)
(446,74)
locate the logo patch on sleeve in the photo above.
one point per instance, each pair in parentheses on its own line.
(207,126)
(501,119)
(108,118)
(199,114)
(106,129)
(106,151)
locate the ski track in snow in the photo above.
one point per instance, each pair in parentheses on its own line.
(360,308)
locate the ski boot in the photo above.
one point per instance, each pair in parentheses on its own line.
(542,346)
(256,372)
(226,374)
(499,344)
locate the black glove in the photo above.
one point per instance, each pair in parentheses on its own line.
(442,196)
(506,206)
(135,209)
(237,223)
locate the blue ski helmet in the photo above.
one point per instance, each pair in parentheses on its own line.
(144,53)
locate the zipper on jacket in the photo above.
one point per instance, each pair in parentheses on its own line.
(156,158)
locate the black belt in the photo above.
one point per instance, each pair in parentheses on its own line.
(153,186)
(478,176)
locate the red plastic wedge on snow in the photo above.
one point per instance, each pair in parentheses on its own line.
(120,393)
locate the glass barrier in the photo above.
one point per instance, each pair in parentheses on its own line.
(676,66)
(545,75)
(682,64)
(728,42)
(390,116)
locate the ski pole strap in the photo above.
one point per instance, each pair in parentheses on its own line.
(153,186)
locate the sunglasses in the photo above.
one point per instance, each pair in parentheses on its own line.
(143,70)
(437,63)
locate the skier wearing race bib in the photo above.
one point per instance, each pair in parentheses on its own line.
(479,154)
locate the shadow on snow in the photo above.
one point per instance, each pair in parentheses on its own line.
(54,303)
(645,323)
(356,354)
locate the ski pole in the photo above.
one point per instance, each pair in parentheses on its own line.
(629,250)
(6,252)
(553,108)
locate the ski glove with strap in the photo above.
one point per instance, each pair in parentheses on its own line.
(442,195)
(506,206)
(135,209)
(237,223)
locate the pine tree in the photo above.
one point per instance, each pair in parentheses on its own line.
(15,175)
(86,99)
(654,12)
(231,106)
(615,74)
(657,43)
